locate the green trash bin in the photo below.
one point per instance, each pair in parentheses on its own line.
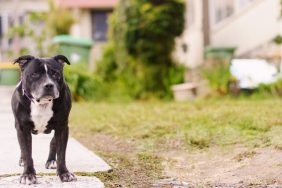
(77,50)
(9,74)
(219,52)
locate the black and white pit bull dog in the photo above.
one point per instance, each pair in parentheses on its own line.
(41,103)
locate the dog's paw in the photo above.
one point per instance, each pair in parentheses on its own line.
(21,162)
(67,177)
(28,179)
(51,164)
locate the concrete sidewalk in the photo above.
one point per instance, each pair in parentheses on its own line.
(78,158)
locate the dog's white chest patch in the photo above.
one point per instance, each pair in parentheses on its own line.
(40,115)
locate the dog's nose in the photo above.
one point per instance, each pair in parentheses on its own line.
(49,86)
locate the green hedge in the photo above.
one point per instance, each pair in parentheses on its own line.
(83,84)
(137,58)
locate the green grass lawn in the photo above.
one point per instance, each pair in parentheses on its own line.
(130,136)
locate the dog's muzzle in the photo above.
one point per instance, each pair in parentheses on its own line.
(48,93)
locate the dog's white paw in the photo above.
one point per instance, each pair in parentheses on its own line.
(67,177)
(21,162)
(28,179)
(51,164)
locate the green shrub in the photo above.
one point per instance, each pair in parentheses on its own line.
(278,40)
(62,25)
(218,76)
(273,89)
(137,58)
(217,73)
(83,84)
(107,65)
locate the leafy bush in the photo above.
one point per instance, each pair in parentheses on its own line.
(83,84)
(107,65)
(59,26)
(274,89)
(217,73)
(138,55)
(278,40)
(218,76)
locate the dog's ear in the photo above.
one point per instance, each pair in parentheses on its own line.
(61,59)
(23,60)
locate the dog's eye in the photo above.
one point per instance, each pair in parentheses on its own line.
(35,75)
(55,75)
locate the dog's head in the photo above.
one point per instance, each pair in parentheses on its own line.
(42,78)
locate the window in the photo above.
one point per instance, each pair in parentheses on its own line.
(99,20)
(243,3)
(222,9)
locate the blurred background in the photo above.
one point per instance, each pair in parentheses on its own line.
(171,92)
(186,49)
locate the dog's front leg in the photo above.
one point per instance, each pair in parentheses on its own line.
(51,161)
(25,141)
(61,137)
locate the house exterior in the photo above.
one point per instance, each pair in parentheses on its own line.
(91,20)
(248,25)
(93,17)
(11,13)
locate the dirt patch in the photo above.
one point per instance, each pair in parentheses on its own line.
(210,167)
(240,167)
(107,143)
(131,167)
(245,155)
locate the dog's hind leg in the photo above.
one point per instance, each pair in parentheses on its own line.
(51,161)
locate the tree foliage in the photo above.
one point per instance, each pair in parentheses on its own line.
(39,28)
(58,20)
(278,39)
(142,38)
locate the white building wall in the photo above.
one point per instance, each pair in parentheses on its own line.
(82,27)
(26,5)
(253,26)
(192,36)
